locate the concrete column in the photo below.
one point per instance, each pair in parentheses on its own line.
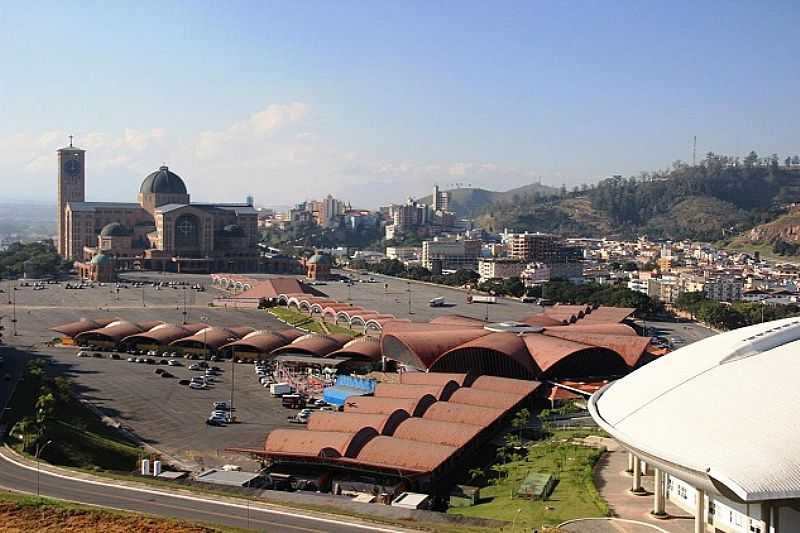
(699,511)
(644,468)
(636,487)
(659,500)
(630,463)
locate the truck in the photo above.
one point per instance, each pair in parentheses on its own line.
(482,300)
(293,401)
(437,302)
(279,389)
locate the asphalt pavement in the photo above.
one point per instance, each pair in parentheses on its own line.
(17,476)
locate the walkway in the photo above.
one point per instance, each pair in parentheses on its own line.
(614,485)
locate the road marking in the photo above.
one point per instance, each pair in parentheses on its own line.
(202,500)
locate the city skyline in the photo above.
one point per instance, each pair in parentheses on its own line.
(385,101)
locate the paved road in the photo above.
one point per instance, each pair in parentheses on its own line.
(19,477)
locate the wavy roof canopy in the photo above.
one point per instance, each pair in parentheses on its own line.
(301,443)
(213,337)
(486,398)
(437,431)
(397,390)
(84,324)
(371,404)
(351,422)
(404,455)
(368,348)
(431,378)
(541,345)
(115,331)
(462,413)
(314,345)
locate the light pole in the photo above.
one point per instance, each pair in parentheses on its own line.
(233,373)
(38,455)
(408,289)
(203,318)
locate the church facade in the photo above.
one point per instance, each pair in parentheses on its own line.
(162,230)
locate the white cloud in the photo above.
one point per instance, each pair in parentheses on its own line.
(276,154)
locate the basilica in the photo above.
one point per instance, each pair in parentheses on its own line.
(162,230)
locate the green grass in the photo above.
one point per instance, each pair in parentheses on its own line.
(55,512)
(301,320)
(80,438)
(574,496)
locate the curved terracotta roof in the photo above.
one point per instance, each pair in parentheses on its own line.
(361,347)
(608,314)
(162,334)
(457,320)
(349,312)
(405,455)
(260,341)
(629,347)
(371,404)
(486,398)
(241,331)
(313,344)
(437,432)
(487,353)
(301,443)
(541,319)
(84,324)
(114,331)
(507,385)
(351,422)
(602,329)
(463,413)
(431,378)
(213,337)
(363,318)
(420,347)
(381,323)
(332,309)
(397,390)
(547,351)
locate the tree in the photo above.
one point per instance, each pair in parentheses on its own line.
(751,160)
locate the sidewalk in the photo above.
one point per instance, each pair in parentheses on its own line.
(614,485)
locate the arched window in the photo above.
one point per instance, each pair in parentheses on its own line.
(187,231)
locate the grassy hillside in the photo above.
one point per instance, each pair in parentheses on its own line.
(710,201)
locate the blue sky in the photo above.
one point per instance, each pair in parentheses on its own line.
(375,101)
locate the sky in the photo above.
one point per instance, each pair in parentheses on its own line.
(377,101)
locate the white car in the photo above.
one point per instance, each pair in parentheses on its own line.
(196,385)
(131,359)
(173,362)
(82,354)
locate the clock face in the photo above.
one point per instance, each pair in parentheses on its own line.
(72,167)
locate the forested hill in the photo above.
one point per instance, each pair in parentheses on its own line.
(719,197)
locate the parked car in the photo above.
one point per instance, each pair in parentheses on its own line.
(163,362)
(131,359)
(166,374)
(150,361)
(195,385)
(159,371)
(184,382)
(114,356)
(82,354)
(211,421)
(194,366)
(221,406)
(173,362)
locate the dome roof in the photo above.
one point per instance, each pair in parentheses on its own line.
(100,259)
(163,181)
(114,229)
(322,259)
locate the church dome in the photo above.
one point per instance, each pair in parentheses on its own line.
(320,259)
(100,260)
(163,181)
(114,229)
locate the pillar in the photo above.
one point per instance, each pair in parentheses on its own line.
(699,511)
(630,463)
(659,499)
(637,488)
(644,468)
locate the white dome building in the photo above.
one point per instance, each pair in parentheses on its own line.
(718,421)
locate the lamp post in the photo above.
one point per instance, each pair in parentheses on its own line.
(408,289)
(38,455)
(203,318)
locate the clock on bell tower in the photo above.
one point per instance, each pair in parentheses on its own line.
(71,187)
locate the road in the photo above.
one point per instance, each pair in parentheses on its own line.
(20,477)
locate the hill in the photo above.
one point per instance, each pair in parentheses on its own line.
(710,201)
(467,201)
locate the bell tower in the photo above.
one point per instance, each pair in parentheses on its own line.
(71,188)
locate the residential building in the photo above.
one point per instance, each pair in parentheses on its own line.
(404,254)
(450,254)
(532,247)
(500,268)
(724,289)
(535,274)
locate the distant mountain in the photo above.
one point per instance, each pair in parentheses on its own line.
(467,201)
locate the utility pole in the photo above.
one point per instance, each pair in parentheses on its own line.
(694,150)
(38,455)
(14,311)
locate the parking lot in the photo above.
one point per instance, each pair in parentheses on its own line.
(169,416)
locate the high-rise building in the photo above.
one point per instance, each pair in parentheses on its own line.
(451,254)
(532,247)
(441,199)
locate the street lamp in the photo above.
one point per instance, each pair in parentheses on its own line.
(38,455)
(408,289)
(233,372)
(203,318)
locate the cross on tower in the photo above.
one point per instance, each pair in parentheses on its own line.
(70,141)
